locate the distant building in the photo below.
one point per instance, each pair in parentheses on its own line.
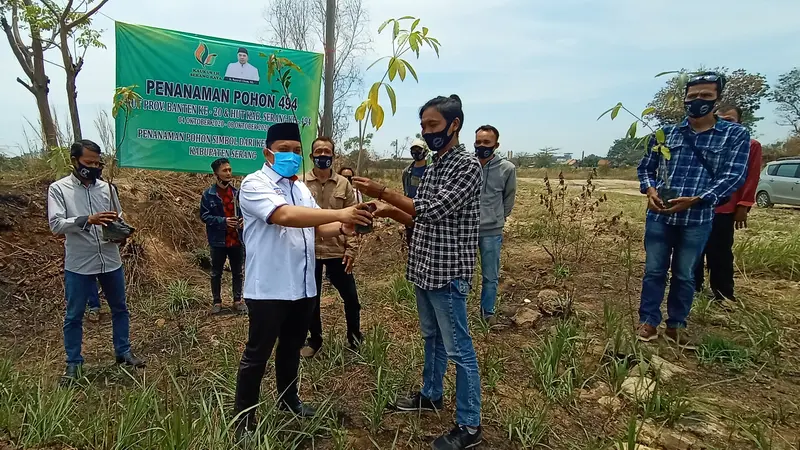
(603,162)
(572,162)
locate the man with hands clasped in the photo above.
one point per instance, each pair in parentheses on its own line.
(707,163)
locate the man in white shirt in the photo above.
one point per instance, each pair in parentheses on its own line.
(281,221)
(242,70)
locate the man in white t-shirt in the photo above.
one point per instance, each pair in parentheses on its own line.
(281,220)
(241,70)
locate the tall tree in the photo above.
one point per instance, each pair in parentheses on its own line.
(787,95)
(545,158)
(73,24)
(25,15)
(743,89)
(300,24)
(626,151)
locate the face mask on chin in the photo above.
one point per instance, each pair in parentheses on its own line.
(223,183)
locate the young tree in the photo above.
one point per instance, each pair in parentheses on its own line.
(744,89)
(16,17)
(787,95)
(300,25)
(404,40)
(73,24)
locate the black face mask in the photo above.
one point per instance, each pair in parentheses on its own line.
(223,183)
(323,162)
(88,173)
(484,152)
(437,140)
(350,179)
(698,107)
(418,155)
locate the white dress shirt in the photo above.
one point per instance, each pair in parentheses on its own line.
(280,261)
(244,71)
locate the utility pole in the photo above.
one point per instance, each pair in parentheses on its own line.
(330,53)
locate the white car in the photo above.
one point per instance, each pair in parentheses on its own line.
(780,183)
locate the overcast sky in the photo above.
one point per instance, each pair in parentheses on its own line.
(540,71)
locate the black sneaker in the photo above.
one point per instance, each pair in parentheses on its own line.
(418,402)
(458,438)
(129,359)
(71,375)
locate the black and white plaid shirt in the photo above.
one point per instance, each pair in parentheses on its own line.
(444,245)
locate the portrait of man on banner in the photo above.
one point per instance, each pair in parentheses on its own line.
(241,70)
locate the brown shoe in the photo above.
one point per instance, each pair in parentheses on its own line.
(680,337)
(646,333)
(308,352)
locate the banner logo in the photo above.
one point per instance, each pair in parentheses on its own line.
(204,56)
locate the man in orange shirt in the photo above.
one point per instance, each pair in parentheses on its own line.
(727,218)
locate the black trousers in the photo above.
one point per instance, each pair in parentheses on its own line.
(270,320)
(719,257)
(218,256)
(345,283)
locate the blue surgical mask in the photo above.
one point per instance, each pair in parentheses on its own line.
(484,152)
(698,107)
(286,163)
(323,162)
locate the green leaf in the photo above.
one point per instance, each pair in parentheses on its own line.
(373,93)
(393,68)
(401,69)
(647,111)
(396,30)
(410,69)
(377,116)
(383,25)
(665,73)
(392,97)
(604,113)
(361,111)
(615,111)
(377,61)
(424,31)
(660,137)
(414,25)
(632,130)
(413,42)
(406,18)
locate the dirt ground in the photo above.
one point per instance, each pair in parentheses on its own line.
(740,390)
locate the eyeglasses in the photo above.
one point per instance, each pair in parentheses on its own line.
(711,78)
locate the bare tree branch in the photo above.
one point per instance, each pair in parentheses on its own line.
(20,51)
(26,85)
(300,24)
(86,16)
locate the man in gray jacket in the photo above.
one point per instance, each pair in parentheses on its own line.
(497,201)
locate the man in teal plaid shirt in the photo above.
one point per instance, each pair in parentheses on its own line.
(708,162)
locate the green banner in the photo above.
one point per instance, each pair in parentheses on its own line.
(205,98)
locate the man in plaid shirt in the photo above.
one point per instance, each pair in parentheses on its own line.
(445,215)
(707,162)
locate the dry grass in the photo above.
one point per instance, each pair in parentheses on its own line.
(542,385)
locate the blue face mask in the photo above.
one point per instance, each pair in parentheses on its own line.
(286,163)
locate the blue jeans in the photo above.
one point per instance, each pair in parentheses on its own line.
(78,289)
(443,322)
(490,271)
(94,298)
(679,248)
